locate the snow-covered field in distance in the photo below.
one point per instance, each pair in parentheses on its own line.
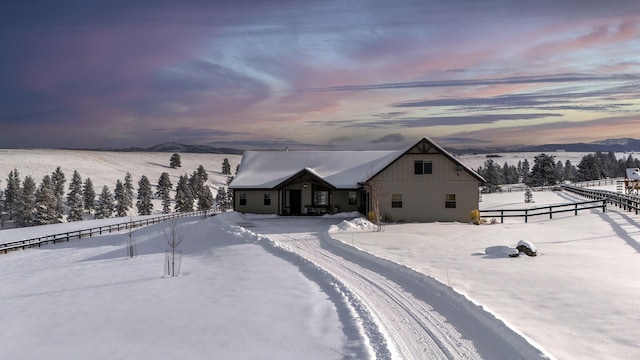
(577,299)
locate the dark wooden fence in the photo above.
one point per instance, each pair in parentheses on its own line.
(622,201)
(78,234)
(545,210)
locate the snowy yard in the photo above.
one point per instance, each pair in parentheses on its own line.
(248,287)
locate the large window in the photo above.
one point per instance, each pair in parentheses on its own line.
(353,198)
(450,201)
(267,199)
(422,167)
(243,198)
(396,200)
(320,198)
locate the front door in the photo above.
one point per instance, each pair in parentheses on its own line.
(293,198)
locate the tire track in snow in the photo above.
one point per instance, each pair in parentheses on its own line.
(419,317)
(415,330)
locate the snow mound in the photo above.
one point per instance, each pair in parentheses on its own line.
(357,224)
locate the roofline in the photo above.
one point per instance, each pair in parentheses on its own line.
(440,150)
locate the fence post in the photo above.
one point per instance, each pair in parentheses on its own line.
(550,212)
(526,217)
(576,209)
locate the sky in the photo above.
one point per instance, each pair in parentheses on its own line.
(326,75)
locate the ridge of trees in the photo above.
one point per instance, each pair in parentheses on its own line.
(547,172)
(26,203)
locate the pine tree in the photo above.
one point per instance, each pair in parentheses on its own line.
(88,195)
(174,162)
(226,167)
(75,187)
(205,199)
(26,202)
(164,192)
(104,208)
(543,171)
(221,198)
(569,171)
(12,193)
(184,195)
(145,193)
(128,187)
(76,208)
(123,201)
(526,173)
(46,204)
(58,180)
(202,173)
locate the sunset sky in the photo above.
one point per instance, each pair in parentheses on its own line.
(317,74)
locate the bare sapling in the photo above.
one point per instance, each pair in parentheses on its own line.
(174,238)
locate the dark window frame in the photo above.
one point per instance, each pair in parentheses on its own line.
(267,199)
(396,201)
(243,199)
(422,167)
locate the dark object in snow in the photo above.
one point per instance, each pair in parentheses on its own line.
(527,248)
(511,252)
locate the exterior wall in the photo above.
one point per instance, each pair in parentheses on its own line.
(424,195)
(341,200)
(255,202)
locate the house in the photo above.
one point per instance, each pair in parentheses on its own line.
(420,183)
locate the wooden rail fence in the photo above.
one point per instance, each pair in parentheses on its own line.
(78,234)
(623,201)
(546,210)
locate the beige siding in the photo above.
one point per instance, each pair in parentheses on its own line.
(255,202)
(424,195)
(341,200)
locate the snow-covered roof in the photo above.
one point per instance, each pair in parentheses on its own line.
(341,169)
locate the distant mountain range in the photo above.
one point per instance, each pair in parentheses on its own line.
(178,148)
(616,145)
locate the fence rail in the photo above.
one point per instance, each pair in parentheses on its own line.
(546,210)
(78,234)
(623,201)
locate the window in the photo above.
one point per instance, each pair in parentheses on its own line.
(353,198)
(422,167)
(396,200)
(320,198)
(267,199)
(450,201)
(243,198)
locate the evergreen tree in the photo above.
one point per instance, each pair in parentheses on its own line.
(104,207)
(76,208)
(226,167)
(128,187)
(221,198)
(75,187)
(492,174)
(46,204)
(145,193)
(58,180)
(184,195)
(164,192)
(174,162)
(12,193)
(26,202)
(510,174)
(205,199)
(88,195)
(569,171)
(202,173)
(122,199)
(526,173)
(559,172)
(543,171)
(590,168)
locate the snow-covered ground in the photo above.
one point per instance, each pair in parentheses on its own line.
(323,288)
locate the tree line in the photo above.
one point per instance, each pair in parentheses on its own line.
(547,172)
(28,204)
